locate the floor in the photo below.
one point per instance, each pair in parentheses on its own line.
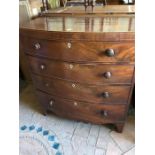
(78,138)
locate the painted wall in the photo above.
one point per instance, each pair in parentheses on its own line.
(36,4)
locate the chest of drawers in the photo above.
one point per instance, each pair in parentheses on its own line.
(82,73)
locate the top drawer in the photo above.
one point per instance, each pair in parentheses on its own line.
(80,51)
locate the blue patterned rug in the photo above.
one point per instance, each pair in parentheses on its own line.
(35,140)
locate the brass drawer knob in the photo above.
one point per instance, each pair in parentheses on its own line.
(104,113)
(110,52)
(42,67)
(51,102)
(37,46)
(69,45)
(107,75)
(105,95)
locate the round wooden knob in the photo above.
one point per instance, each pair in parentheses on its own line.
(104,113)
(107,75)
(105,95)
(110,52)
(42,67)
(37,46)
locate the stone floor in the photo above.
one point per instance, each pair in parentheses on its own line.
(78,138)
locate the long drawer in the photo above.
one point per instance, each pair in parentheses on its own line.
(80,51)
(88,93)
(84,73)
(82,110)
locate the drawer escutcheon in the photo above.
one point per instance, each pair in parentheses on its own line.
(75,104)
(37,46)
(42,67)
(51,102)
(69,45)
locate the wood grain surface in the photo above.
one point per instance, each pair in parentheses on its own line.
(79,51)
(83,73)
(87,93)
(82,110)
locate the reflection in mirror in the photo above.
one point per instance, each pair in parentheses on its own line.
(49,4)
(91,24)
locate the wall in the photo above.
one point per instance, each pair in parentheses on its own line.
(36,4)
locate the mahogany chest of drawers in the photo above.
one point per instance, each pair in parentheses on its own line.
(83,70)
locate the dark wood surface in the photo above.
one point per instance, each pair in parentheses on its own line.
(94,24)
(87,93)
(84,73)
(82,110)
(68,66)
(108,28)
(80,36)
(77,51)
(23,64)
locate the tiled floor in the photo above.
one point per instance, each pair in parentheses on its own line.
(78,138)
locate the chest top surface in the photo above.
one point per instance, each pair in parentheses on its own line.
(110,23)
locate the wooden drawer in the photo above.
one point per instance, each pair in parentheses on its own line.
(79,51)
(83,73)
(89,93)
(82,110)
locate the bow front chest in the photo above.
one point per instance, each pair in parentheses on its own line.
(82,67)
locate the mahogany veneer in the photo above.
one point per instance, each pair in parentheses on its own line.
(80,71)
(95,113)
(124,52)
(89,73)
(88,93)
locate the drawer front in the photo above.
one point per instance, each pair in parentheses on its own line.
(83,73)
(88,93)
(80,51)
(82,110)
